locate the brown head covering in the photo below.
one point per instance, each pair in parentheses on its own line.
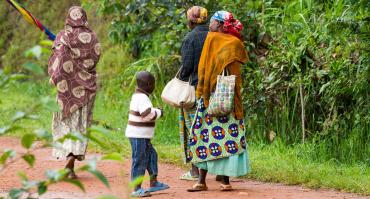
(76,52)
(197,14)
(76,17)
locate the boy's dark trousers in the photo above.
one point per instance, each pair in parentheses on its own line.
(144,157)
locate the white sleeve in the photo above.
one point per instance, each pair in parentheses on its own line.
(146,110)
(143,103)
(159,112)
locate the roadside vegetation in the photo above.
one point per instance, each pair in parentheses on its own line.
(306,87)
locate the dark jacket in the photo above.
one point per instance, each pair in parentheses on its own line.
(191,49)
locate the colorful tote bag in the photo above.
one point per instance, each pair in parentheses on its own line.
(215,137)
(221,101)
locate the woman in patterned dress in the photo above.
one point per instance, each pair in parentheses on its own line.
(76,51)
(191,49)
(218,144)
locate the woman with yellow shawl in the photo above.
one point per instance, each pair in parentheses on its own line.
(218,143)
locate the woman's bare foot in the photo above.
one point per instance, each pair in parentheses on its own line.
(194,171)
(72,175)
(70,166)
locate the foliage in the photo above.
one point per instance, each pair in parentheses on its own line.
(274,162)
(308,75)
(322,46)
(44,138)
(325,53)
(293,165)
(18,35)
(136,22)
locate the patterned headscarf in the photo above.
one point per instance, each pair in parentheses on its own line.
(197,14)
(231,26)
(76,17)
(76,52)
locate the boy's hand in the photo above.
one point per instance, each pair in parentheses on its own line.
(161,109)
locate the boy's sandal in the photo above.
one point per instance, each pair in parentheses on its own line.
(158,187)
(188,176)
(198,187)
(226,187)
(140,193)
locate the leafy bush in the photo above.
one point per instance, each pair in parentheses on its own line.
(307,80)
(34,188)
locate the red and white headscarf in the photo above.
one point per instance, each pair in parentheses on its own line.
(231,25)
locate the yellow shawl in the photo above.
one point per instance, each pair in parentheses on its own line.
(221,51)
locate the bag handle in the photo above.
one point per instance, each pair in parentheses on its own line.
(225,71)
(177,74)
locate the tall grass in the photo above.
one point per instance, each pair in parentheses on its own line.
(274,162)
(307,84)
(321,48)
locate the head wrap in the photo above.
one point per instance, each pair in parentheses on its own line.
(197,14)
(72,65)
(231,26)
(76,17)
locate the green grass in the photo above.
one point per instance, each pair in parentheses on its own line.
(270,163)
(278,163)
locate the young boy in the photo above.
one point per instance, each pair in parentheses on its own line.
(140,131)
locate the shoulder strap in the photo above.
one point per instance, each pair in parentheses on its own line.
(177,75)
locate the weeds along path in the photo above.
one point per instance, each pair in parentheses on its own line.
(118,176)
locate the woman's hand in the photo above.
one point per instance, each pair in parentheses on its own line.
(51,82)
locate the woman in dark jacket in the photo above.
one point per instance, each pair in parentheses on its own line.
(191,50)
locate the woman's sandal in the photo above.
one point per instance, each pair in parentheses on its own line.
(198,187)
(226,187)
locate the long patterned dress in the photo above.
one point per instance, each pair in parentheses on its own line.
(218,144)
(77,122)
(72,68)
(186,118)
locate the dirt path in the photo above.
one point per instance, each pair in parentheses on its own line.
(118,177)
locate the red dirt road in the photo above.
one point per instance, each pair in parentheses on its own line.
(118,176)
